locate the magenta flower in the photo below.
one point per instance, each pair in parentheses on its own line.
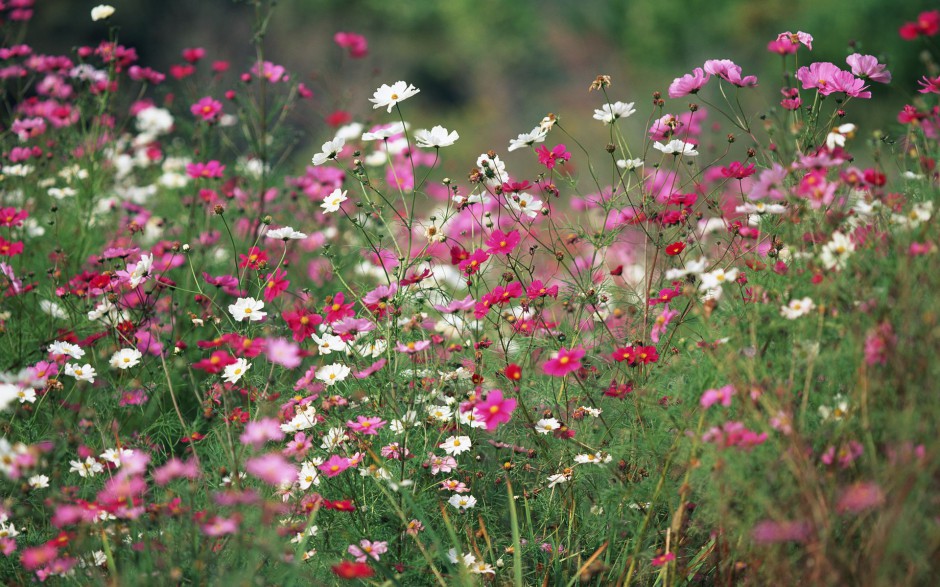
(929,85)
(472,264)
(356,44)
(713,396)
(867,67)
(502,243)
(730,72)
(415,346)
(367,549)
(259,432)
(334,465)
(495,409)
(796,39)
(212,169)
(550,158)
(564,362)
(662,322)
(218,526)
(367,426)
(272,468)
(208,109)
(270,72)
(175,469)
(690,83)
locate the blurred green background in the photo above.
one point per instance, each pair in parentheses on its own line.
(492,69)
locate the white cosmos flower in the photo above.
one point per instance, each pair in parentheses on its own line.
(629,164)
(559,478)
(141,270)
(329,343)
(611,112)
(435,138)
(101,12)
(126,358)
(547,425)
(59,347)
(390,95)
(527,205)
(462,502)
(384,132)
(329,150)
(536,135)
(598,458)
(82,373)
(247,309)
(235,371)
(797,308)
(333,201)
(691,268)
(87,468)
(716,278)
(455,445)
(334,373)
(676,147)
(835,253)
(285,233)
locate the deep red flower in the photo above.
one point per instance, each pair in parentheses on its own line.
(513,372)
(352,570)
(675,248)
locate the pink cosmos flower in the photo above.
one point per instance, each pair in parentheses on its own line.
(859,497)
(713,396)
(730,72)
(495,409)
(259,432)
(367,426)
(415,346)
(550,158)
(929,85)
(272,468)
(472,264)
(175,469)
(219,526)
(283,352)
(334,465)
(502,243)
(564,362)
(367,549)
(662,322)
(370,369)
(796,39)
(356,44)
(270,72)
(770,531)
(207,109)
(867,67)
(690,83)
(212,169)
(444,464)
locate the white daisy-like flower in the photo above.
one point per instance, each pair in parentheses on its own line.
(334,373)
(536,135)
(125,358)
(333,201)
(39,482)
(390,95)
(629,164)
(59,347)
(236,370)
(836,252)
(676,147)
(329,150)
(466,559)
(455,445)
(116,455)
(494,170)
(26,395)
(482,568)
(528,205)
(598,458)
(760,208)
(797,308)
(384,132)
(691,268)
(559,478)
(716,278)
(141,270)
(81,373)
(87,468)
(329,343)
(309,475)
(437,137)
(247,309)
(547,425)
(285,233)
(440,413)
(611,112)
(53,309)
(101,12)
(462,502)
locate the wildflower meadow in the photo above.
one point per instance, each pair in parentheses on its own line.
(703,353)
